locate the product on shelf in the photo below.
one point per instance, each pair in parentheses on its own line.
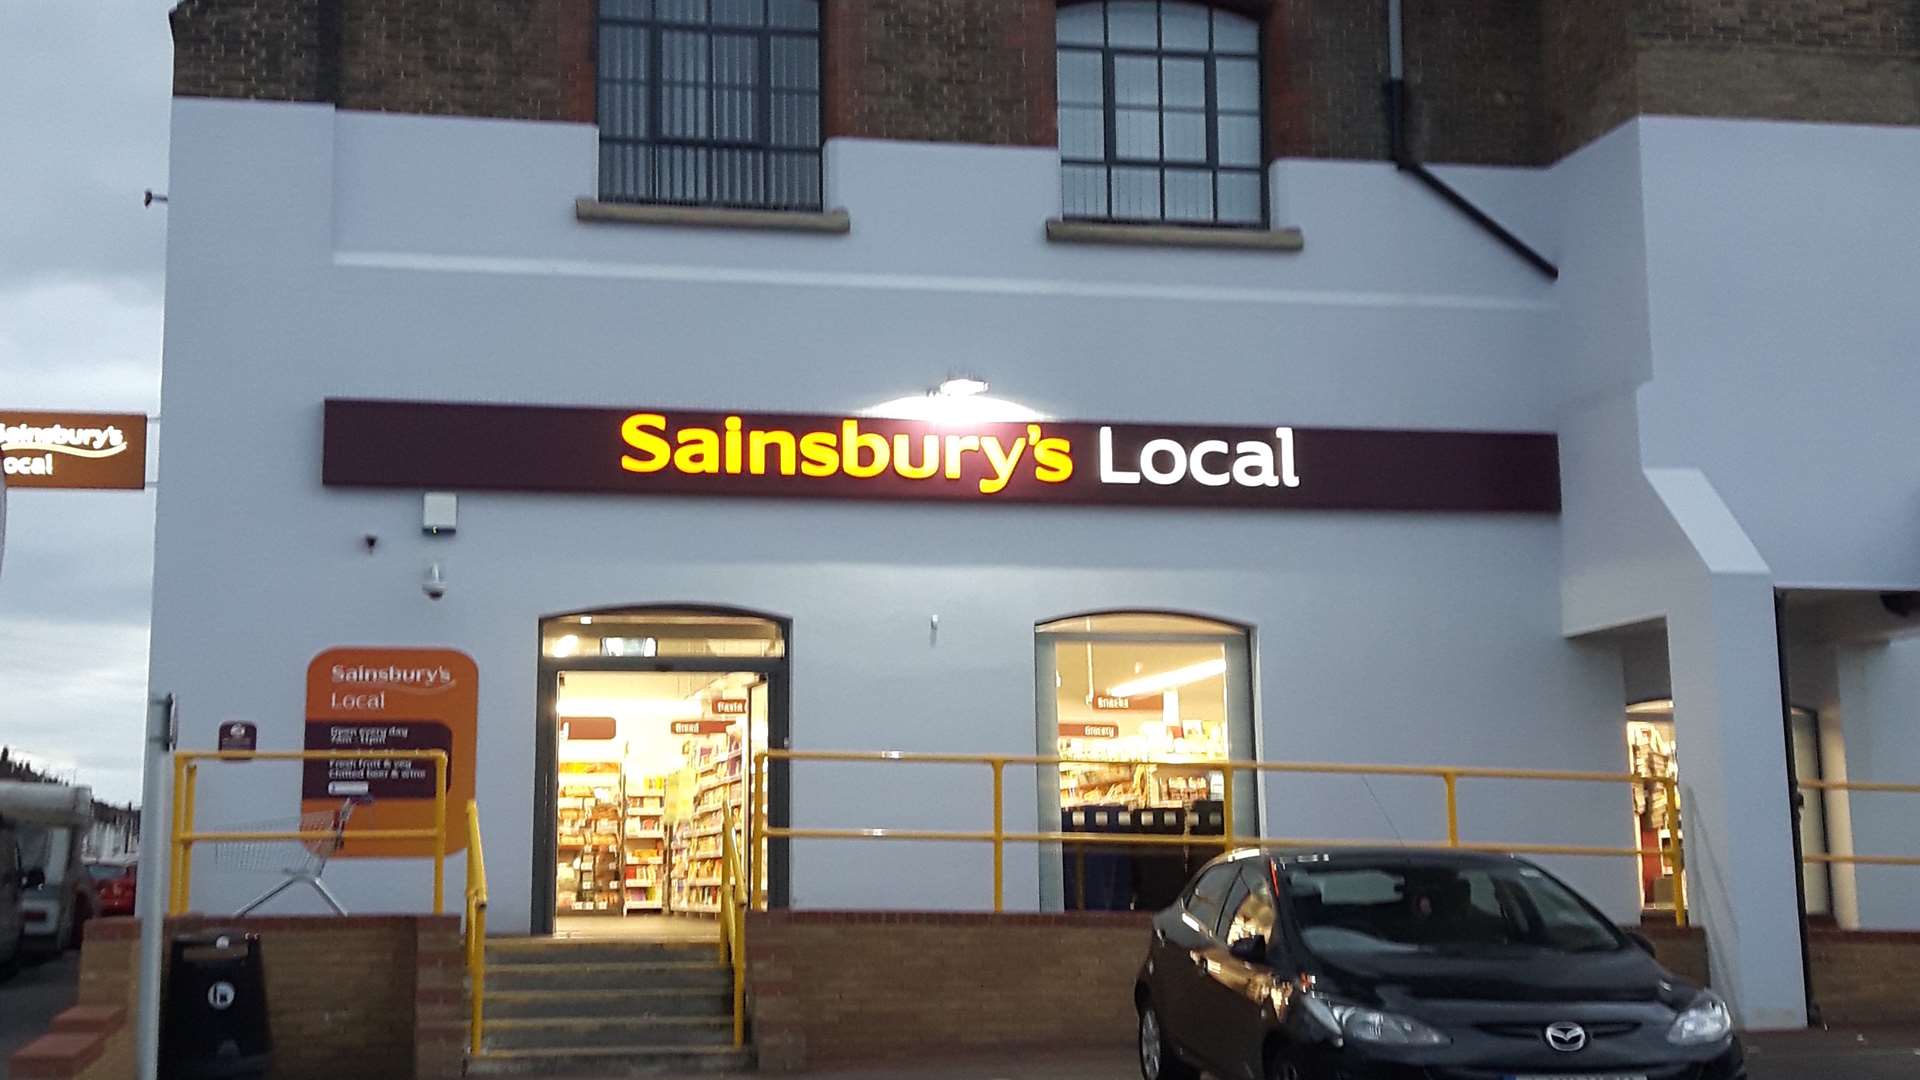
(588,876)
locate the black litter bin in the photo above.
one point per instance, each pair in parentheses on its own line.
(1095,876)
(216,1009)
(1159,873)
(1205,817)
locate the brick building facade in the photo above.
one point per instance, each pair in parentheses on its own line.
(437,205)
(1514,82)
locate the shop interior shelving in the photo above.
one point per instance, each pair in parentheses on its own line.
(720,782)
(588,874)
(644,877)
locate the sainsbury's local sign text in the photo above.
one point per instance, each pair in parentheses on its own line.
(658,451)
(87,451)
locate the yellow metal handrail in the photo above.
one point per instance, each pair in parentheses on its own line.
(186,773)
(476,929)
(1868,787)
(733,920)
(1229,838)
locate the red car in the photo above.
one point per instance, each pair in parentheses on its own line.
(113,884)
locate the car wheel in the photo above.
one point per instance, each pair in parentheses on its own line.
(1158,1060)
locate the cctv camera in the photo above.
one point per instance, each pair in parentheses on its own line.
(435,584)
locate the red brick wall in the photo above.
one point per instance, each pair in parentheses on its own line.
(1590,70)
(267,50)
(829,987)
(970,71)
(371,997)
(1491,81)
(520,59)
(1865,977)
(1840,61)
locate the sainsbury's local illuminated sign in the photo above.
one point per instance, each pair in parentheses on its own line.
(448,446)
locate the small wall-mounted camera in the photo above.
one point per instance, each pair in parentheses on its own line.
(435,583)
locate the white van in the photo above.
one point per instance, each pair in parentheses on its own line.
(50,823)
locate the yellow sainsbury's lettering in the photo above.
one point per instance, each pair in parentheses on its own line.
(656,450)
(652,443)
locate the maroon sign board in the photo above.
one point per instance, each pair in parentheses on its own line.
(455,446)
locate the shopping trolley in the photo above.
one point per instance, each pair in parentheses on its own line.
(302,866)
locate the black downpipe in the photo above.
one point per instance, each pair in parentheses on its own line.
(1402,154)
(1794,802)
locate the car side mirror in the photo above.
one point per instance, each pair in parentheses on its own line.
(1644,943)
(1251,949)
(33,878)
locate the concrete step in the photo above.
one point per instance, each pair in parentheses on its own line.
(613,1004)
(608,976)
(563,1033)
(611,1061)
(598,951)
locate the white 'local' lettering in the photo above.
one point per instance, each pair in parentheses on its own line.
(1168,461)
(29,466)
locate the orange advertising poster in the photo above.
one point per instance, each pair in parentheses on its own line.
(386,700)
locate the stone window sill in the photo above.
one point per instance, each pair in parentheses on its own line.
(713,217)
(1060,230)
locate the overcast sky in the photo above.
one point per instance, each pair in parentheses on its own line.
(84,93)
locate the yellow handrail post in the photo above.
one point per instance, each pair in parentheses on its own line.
(476,929)
(1452,780)
(173,842)
(1226,807)
(184,898)
(733,921)
(726,881)
(999,835)
(440,833)
(757,885)
(1679,852)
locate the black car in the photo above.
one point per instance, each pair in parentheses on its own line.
(1404,964)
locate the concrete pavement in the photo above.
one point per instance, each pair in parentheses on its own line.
(30,1000)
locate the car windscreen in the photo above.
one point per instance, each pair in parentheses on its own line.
(106,871)
(1410,907)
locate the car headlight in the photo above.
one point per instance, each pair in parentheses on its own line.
(1705,1021)
(1366,1025)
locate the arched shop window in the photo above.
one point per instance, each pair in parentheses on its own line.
(1160,113)
(1142,706)
(710,102)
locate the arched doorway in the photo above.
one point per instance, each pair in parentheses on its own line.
(648,719)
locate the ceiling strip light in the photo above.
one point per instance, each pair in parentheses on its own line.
(1168,680)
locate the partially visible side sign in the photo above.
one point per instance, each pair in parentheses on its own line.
(239,737)
(73,450)
(391,700)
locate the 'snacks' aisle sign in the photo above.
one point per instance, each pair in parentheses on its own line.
(782,455)
(391,700)
(84,451)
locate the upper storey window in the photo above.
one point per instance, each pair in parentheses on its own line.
(710,102)
(1160,113)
